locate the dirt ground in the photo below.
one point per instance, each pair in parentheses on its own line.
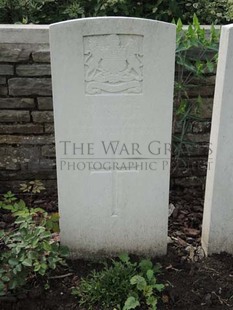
(192,280)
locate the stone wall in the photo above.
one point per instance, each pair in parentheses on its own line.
(26,116)
(189,170)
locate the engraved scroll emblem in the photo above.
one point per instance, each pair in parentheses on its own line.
(113,64)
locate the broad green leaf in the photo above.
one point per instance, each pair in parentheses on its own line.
(13,284)
(64,251)
(8,207)
(27,262)
(36,266)
(150,274)
(46,246)
(145,264)
(148,290)
(5,279)
(152,301)
(131,303)
(32,255)
(139,281)
(159,287)
(124,257)
(13,261)
(22,204)
(18,268)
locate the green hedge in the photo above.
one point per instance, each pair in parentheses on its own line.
(49,11)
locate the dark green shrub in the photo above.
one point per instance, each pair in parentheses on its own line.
(50,11)
(208,12)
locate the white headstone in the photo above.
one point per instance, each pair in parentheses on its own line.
(217,231)
(113,94)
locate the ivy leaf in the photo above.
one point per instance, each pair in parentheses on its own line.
(64,251)
(5,279)
(13,261)
(27,262)
(13,284)
(46,246)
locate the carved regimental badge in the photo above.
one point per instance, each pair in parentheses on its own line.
(113,64)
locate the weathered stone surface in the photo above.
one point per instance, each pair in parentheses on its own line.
(210,80)
(193,181)
(42,117)
(19,152)
(23,129)
(201,127)
(2,80)
(205,108)
(41,56)
(48,151)
(113,216)
(13,158)
(217,228)
(30,86)
(17,103)
(43,164)
(3,90)
(203,91)
(45,103)
(33,70)
(35,140)
(179,127)
(6,69)
(199,137)
(196,149)
(186,167)
(49,128)
(30,34)
(8,175)
(7,164)
(207,80)
(14,52)
(28,174)
(14,116)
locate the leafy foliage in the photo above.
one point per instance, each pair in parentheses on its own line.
(122,285)
(208,12)
(196,59)
(49,11)
(28,248)
(32,187)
